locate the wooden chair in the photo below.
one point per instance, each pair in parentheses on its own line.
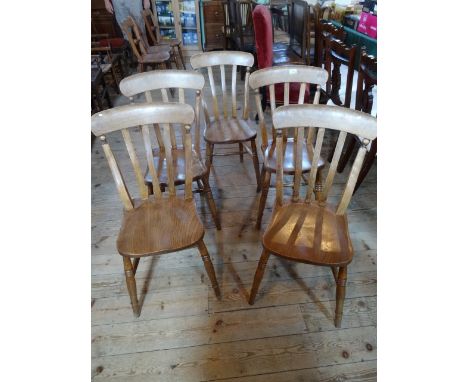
(175,44)
(153,224)
(240,25)
(266,55)
(284,77)
(299,29)
(153,57)
(324,29)
(227,128)
(367,79)
(314,231)
(337,54)
(185,81)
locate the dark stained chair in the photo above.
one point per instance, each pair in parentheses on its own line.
(307,230)
(366,81)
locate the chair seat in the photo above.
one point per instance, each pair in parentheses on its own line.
(178,158)
(159,48)
(159,225)
(288,159)
(309,233)
(155,58)
(229,130)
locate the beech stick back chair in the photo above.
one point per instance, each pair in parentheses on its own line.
(152,224)
(282,79)
(184,81)
(225,126)
(315,231)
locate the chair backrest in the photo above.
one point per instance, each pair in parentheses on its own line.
(337,53)
(367,79)
(163,80)
(286,74)
(134,36)
(299,26)
(150,23)
(122,118)
(223,58)
(263,36)
(239,19)
(324,29)
(319,118)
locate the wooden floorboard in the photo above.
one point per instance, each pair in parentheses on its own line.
(185,334)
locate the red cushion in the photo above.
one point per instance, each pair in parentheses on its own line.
(294,88)
(116,42)
(263,36)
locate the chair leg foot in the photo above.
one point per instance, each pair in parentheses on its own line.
(211,203)
(340,295)
(258,276)
(209,268)
(241,152)
(263,196)
(131,284)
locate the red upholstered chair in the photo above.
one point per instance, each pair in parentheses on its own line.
(266,57)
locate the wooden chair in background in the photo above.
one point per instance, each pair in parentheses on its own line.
(153,224)
(226,127)
(283,77)
(175,44)
(337,54)
(184,81)
(325,29)
(314,231)
(157,57)
(299,29)
(366,81)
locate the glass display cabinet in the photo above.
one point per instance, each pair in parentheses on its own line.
(179,19)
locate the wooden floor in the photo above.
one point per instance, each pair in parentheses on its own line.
(185,334)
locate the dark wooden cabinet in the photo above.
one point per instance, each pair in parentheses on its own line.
(213,24)
(102,21)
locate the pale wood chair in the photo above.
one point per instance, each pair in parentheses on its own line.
(155,57)
(184,81)
(284,79)
(227,127)
(153,224)
(315,231)
(175,44)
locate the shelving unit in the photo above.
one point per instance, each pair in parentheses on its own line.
(179,19)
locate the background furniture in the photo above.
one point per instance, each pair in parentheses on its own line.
(151,30)
(266,56)
(227,128)
(366,81)
(178,19)
(213,21)
(153,225)
(154,57)
(325,29)
(240,25)
(282,77)
(314,231)
(299,29)
(337,54)
(102,22)
(184,81)
(99,90)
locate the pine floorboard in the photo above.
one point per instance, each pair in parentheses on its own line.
(185,334)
